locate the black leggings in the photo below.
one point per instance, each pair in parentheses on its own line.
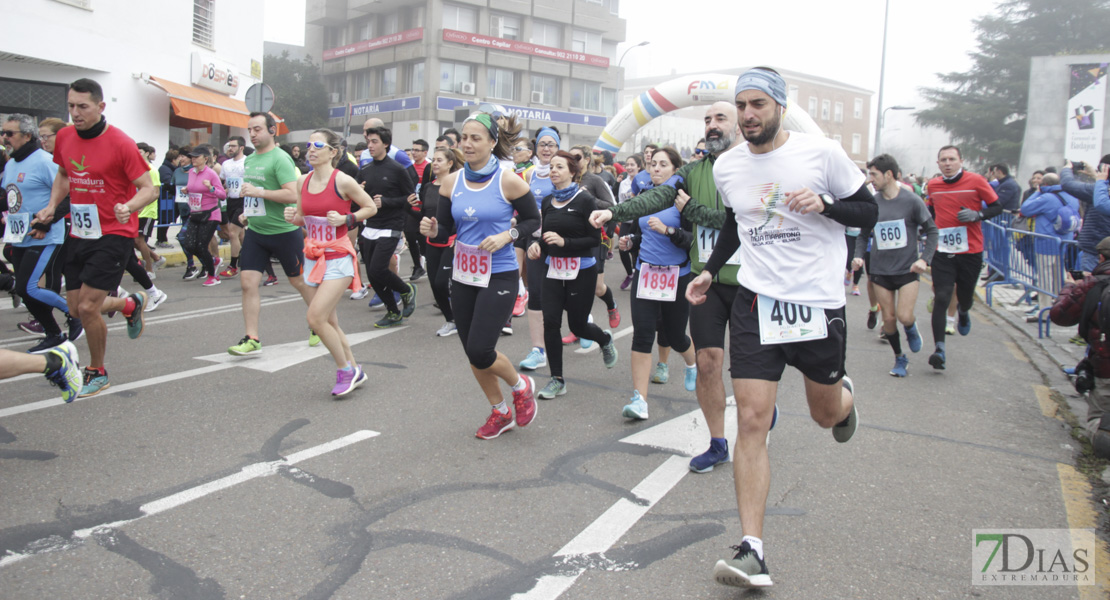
(416,246)
(670,317)
(31,263)
(953,270)
(537,271)
(138,272)
(576,297)
(439,277)
(196,241)
(376,255)
(480,313)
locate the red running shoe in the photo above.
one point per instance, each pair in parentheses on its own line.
(614,319)
(524,402)
(271,280)
(496,424)
(569,339)
(521,304)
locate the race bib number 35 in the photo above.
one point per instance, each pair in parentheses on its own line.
(319,229)
(18,226)
(252,207)
(657,283)
(85,221)
(563,267)
(953,240)
(472,266)
(890,235)
(782,322)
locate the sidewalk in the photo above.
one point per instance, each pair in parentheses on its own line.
(1004,303)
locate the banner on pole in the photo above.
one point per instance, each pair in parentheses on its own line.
(1086,99)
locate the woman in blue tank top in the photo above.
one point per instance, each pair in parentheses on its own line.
(659,292)
(477,205)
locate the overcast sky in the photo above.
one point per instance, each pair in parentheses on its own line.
(838,40)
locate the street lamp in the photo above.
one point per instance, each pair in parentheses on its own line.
(882,122)
(621,78)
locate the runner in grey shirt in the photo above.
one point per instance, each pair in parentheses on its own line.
(895,264)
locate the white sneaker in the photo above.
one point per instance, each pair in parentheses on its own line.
(359,295)
(161,262)
(155,301)
(447,329)
(151,275)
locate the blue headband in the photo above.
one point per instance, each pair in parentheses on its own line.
(549,132)
(765,81)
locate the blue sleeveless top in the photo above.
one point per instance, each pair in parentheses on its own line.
(656,248)
(481,213)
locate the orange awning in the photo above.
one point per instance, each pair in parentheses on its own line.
(202,106)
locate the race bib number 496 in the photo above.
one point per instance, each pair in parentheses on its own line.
(953,240)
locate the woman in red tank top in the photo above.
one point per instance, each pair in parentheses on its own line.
(331,263)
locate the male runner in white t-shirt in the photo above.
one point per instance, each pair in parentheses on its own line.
(791,196)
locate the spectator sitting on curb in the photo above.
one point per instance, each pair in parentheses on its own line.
(1073,307)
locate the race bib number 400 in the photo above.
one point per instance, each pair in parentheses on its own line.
(472,266)
(85,221)
(319,229)
(953,240)
(252,207)
(18,226)
(564,267)
(890,235)
(707,240)
(782,322)
(657,283)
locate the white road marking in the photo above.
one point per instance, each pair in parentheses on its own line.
(616,336)
(272,358)
(249,472)
(685,434)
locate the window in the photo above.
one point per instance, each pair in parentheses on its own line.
(586,42)
(825,110)
(585,95)
(501,83)
(504,26)
(334,37)
(337,84)
(415,18)
(452,74)
(389,82)
(460,18)
(547,86)
(391,23)
(365,30)
(360,85)
(838,112)
(608,101)
(204,22)
(838,139)
(547,34)
(856,143)
(416,77)
(813,107)
(614,6)
(857,111)
(793,94)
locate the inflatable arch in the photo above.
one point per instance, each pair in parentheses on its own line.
(683,92)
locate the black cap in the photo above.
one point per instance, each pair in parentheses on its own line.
(200,151)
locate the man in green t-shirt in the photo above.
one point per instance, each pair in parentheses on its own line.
(269,184)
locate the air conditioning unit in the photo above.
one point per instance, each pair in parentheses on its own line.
(467,87)
(537,97)
(333,97)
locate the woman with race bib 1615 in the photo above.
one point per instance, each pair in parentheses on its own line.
(477,205)
(331,263)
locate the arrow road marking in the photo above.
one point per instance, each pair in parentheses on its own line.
(686,435)
(247,473)
(273,358)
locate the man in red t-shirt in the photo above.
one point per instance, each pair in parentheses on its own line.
(108,183)
(960,200)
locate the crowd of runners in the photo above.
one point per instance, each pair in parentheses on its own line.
(753,237)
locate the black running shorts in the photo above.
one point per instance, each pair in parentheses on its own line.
(894,282)
(98,263)
(709,319)
(287,247)
(821,361)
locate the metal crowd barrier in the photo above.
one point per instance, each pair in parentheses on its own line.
(1037,262)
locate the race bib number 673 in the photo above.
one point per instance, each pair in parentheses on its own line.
(252,207)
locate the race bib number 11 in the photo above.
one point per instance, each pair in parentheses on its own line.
(782,322)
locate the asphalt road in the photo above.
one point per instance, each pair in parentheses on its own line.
(200,475)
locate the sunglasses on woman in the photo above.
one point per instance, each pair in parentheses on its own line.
(316,145)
